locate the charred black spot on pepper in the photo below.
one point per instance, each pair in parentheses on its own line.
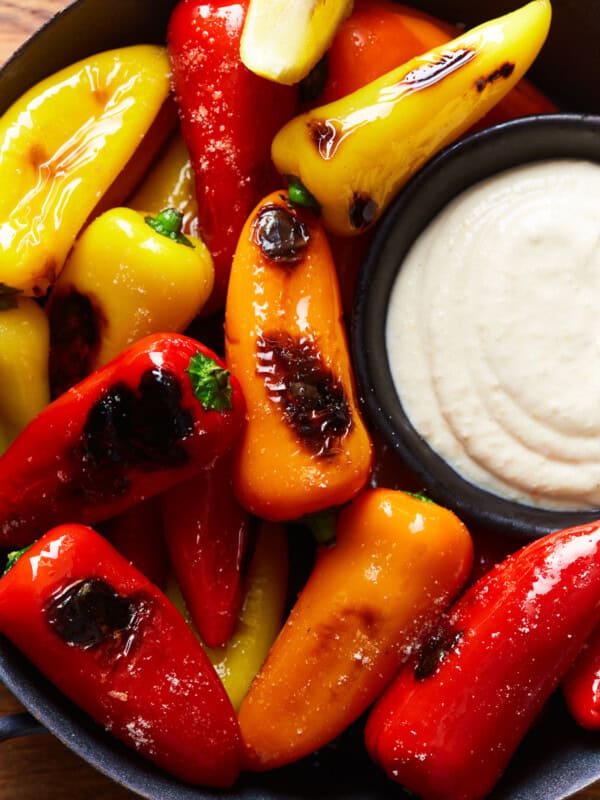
(325,136)
(363,211)
(89,613)
(281,235)
(76,325)
(312,398)
(504,72)
(127,428)
(430,73)
(435,651)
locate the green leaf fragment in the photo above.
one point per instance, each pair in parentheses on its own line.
(169,223)
(210,382)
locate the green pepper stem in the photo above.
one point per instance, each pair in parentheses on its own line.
(322,527)
(169,223)
(300,196)
(421,497)
(13,557)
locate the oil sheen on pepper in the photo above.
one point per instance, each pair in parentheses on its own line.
(296,377)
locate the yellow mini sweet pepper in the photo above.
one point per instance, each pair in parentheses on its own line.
(260,618)
(129,275)
(24,344)
(170,184)
(352,156)
(62,144)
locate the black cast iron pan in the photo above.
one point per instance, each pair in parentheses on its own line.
(557,759)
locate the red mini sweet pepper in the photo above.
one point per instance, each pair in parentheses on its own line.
(206,531)
(229,117)
(138,535)
(581,685)
(161,411)
(449,724)
(114,644)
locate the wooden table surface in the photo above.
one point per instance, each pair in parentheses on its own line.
(40,768)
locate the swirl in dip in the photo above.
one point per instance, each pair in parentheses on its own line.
(493,334)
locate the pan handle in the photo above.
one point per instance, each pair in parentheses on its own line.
(15,725)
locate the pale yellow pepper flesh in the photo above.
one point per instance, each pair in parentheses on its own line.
(128,281)
(355,154)
(24,346)
(260,617)
(282,40)
(62,144)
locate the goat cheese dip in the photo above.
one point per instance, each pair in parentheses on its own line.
(493,334)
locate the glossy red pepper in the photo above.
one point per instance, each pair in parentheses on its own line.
(229,117)
(161,411)
(581,685)
(114,644)
(449,724)
(138,535)
(206,532)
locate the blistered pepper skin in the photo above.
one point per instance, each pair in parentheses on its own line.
(396,563)
(355,154)
(129,660)
(452,719)
(24,347)
(122,281)
(62,146)
(128,431)
(305,447)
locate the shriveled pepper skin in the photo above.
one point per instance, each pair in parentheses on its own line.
(114,644)
(355,154)
(397,562)
(129,431)
(122,281)
(450,722)
(24,385)
(581,685)
(228,119)
(61,147)
(206,531)
(304,447)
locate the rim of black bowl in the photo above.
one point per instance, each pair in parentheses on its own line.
(459,166)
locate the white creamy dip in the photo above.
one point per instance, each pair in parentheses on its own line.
(493,334)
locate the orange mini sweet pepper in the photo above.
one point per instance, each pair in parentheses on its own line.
(305,447)
(369,601)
